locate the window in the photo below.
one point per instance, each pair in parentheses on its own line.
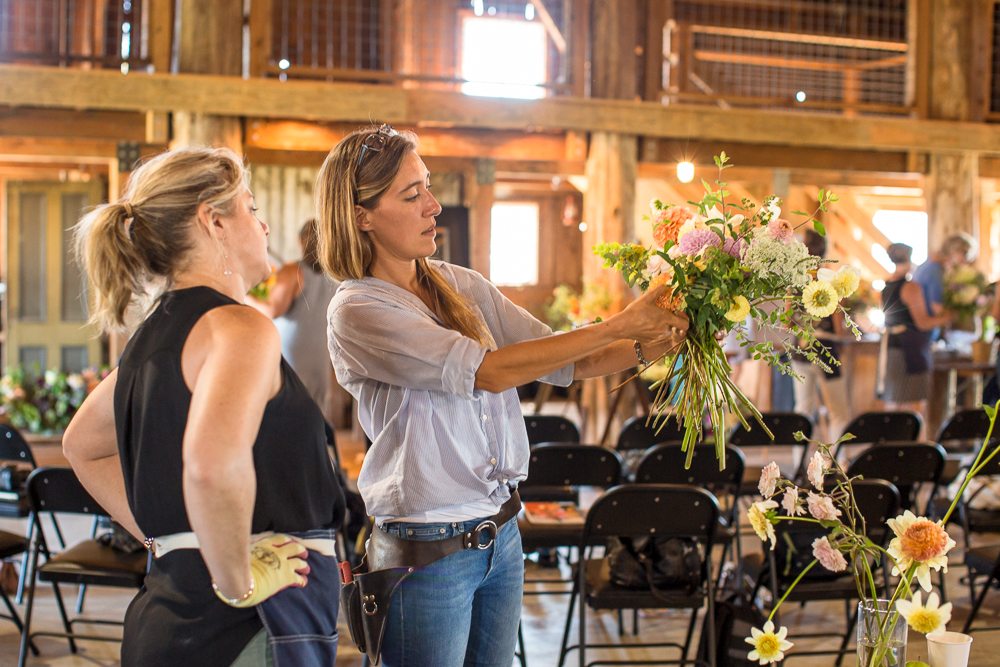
(503,57)
(514,244)
(909,227)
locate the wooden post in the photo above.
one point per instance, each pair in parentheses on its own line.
(210,42)
(951,187)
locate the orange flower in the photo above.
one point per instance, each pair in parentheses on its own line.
(668,223)
(922,541)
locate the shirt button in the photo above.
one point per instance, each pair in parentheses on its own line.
(493,460)
(486,418)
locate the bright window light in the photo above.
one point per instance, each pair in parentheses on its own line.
(514,244)
(503,58)
(909,227)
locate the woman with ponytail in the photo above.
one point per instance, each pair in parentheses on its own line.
(203,443)
(433,353)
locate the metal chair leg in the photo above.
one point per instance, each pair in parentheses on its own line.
(569,621)
(979,602)
(65,618)
(25,560)
(26,631)
(521,653)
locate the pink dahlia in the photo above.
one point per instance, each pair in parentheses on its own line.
(697,240)
(780,229)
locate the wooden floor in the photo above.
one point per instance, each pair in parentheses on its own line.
(543,618)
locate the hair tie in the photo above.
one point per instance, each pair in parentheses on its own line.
(127,207)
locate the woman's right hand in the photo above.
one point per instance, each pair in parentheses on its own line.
(647,322)
(277,562)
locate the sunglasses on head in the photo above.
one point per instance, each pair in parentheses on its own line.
(376,141)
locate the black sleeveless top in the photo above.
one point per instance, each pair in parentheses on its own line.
(176,619)
(896,312)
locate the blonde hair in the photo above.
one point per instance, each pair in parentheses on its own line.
(346,252)
(145,237)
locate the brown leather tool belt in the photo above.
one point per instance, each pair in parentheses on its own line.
(387,550)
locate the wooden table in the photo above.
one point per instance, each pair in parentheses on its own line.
(973,372)
(47,449)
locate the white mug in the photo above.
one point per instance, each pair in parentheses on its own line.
(948,649)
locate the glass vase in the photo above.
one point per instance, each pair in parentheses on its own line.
(881,635)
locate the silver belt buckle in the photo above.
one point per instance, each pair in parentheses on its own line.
(476,536)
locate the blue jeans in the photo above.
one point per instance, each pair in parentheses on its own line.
(301,623)
(462,610)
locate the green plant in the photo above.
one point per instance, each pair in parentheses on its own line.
(44,401)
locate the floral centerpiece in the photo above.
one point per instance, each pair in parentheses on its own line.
(918,547)
(46,401)
(725,261)
(966,294)
(567,308)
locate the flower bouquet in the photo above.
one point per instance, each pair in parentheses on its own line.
(44,402)
(966,295)
(918,546)
(262,290)
(725,261)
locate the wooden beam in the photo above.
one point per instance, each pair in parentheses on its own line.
(111,125)
(551,29)
(795,63)
(231,96)
(261,33)
(801,38)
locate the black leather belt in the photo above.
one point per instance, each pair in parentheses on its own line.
(386,550)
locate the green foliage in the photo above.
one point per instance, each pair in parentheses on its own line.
(46,401)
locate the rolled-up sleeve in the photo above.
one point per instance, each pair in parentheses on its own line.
(512,324)
(371,339)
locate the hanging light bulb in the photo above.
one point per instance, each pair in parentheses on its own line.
(685,171)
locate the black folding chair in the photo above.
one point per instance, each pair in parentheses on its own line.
(636,436)
(982,561)
(12,545)
(912,467)
(965,430)
(15,451)
(872,428)
(550,428)
(755,441)
(644,510)
(664,464)
(87,563)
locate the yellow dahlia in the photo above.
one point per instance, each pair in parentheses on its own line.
(768,646)
(820,298)
(925,619)
(739,309)
(922,541)
(846,281)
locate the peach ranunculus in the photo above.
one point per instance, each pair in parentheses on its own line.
(922,541)
(668,222)
(768,479)
(821,507)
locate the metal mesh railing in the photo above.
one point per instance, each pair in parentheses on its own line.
(401,40)
(74,33)
(846,55)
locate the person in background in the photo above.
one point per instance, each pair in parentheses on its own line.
(956,250)
(297,302)
(203,443)
(433,352)
(817,387)
(905,356)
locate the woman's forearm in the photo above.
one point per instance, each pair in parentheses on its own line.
(529,360)
(104,480)
(219,499)
(619,356)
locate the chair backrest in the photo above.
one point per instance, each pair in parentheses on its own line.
(783,425)
(59,490)
(550,428)
(13,446)
(877,427)
(967,426)
(573,464)
(664,464)
(666,510)
(636,434)
(902,463)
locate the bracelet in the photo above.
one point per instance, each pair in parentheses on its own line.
(235,602)
(638,354)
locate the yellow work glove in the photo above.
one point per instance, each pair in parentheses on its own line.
(276,563)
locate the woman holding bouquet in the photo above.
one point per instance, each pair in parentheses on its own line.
(203,442)
(433,353)
(905,360)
